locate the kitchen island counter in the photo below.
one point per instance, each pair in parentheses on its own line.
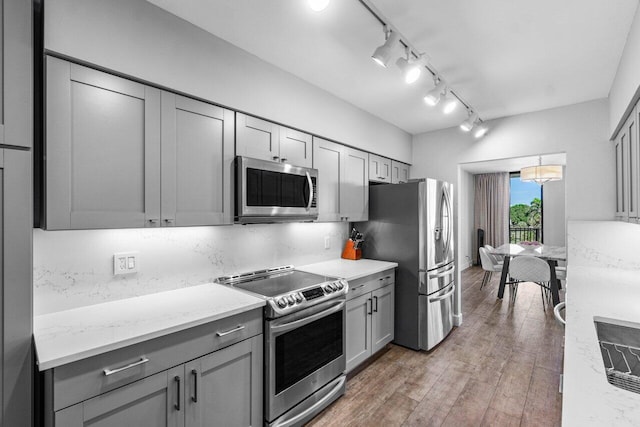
(348,269)
(71,335)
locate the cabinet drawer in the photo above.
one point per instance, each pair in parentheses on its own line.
(370,283)
(78,381)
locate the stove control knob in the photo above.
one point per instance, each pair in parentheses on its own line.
(339,285)
(298,297)
(290,300)
(327,289)
(282,302)
(333,287)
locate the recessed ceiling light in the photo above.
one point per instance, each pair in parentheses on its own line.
(318,5)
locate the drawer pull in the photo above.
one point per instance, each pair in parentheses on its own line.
(142,361)
(358,287)
(230,331)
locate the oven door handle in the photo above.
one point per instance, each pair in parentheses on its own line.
(282,325)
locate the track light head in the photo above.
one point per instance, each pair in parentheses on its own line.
(468,124)
(449,102)
(433,96)
(318,5)
(410,68)
(382,54)
(481,130)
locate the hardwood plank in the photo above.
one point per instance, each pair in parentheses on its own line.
(495,418)
(511,391)
(393,412)
(471,405)
(543,405)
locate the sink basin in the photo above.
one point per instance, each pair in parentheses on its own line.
(620,347)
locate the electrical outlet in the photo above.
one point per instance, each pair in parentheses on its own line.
(125,263)
(327,242)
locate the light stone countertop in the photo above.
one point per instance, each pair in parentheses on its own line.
(348,269)
(603,279)
(71,335)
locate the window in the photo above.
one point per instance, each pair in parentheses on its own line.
(525,211)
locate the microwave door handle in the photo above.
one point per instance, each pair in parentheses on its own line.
(310,182)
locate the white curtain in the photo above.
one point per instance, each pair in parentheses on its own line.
(491,207)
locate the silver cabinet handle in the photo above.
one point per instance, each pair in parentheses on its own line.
(230,331)
(108,371)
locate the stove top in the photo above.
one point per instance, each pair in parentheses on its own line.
(286,289)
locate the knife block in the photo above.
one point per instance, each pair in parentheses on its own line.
(350,252)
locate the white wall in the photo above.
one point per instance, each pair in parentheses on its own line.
(581,131)
(139,39)
(627,79)
(75,268)
(553,213)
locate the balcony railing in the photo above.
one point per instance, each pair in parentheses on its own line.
(524,234)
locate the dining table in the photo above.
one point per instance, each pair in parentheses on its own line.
(551,254)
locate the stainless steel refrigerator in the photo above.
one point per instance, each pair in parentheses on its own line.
(412,224)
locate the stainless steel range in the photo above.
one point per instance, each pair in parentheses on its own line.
(304,340)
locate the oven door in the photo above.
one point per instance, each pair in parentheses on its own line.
(303,352)
(270,191)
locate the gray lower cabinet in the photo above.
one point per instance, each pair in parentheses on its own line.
(121,154)
(370,316)
(220,387)
(343,175)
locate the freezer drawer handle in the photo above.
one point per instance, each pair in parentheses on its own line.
(443,273)
(108,371)
(230,331)
(445,296)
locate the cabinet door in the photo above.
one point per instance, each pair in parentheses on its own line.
(634,164)
(382,318)
(622,175)
(102,150)
(358,330)
(328,159)
(197,153)
(225,387)
(156,401)
(399,172)
(295,147)
(257,138)
(379,169)
(354,194)
(16,108)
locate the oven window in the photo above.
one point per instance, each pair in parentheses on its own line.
(268,188)
(306,349)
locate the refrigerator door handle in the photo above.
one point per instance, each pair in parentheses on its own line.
(445,296)
(443,273)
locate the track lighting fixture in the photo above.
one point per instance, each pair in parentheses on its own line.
(410,68)
(382,54)
(449,102)
(433,96)
(318,5)
(481,130)
(468,124)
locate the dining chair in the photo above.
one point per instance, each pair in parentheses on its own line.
(529,269)
(495,257)
(489,265)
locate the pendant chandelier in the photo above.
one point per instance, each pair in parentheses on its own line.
(541,173)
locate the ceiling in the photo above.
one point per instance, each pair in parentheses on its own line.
(503,57)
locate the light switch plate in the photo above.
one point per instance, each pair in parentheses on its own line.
(125,263)
(327,242)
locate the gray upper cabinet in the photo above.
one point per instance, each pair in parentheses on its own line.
(102,149)
(16,73)
(122,154)
(399,172)
(379,169)
(197,154)
(261,139)
(343,175)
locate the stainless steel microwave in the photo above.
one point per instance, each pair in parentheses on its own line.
(274,192)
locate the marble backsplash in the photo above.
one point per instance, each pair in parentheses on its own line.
(75,268)
(604,244)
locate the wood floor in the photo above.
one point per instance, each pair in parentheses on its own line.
(500,368)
